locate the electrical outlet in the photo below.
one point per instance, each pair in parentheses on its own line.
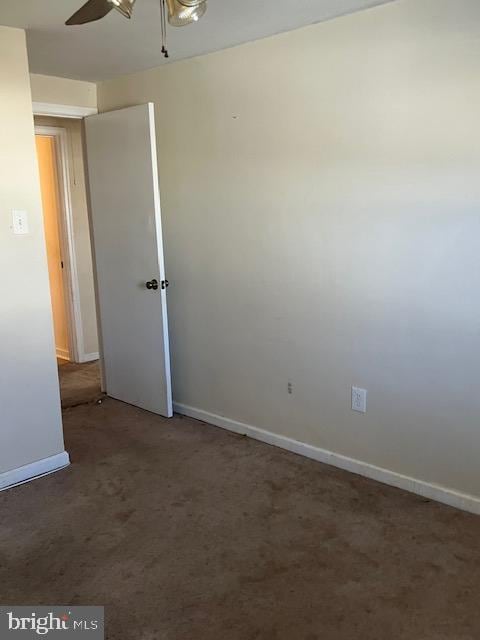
(359,399)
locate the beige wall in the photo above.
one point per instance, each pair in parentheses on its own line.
(321,199)
(63,91)
(30,421)
(81,229)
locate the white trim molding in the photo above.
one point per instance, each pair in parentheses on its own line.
(62,110)
(435,492)
(90,357)
(63,354)
(34,470)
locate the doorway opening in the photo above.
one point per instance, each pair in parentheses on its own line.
(130,284)
(66,226)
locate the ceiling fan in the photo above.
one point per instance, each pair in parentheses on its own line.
(180,13)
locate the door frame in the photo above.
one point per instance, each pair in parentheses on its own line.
(67,244)
(73,112)
(53,110)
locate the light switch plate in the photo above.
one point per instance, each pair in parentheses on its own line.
(20,222)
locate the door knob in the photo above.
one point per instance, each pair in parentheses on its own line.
(152,284)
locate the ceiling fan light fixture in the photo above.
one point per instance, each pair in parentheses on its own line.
(125,7)
(183,12)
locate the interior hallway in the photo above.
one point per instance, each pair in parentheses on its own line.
(185,531)
(79,383)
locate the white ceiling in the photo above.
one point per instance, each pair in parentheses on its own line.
(115,46)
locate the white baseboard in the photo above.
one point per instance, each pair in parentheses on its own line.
(435,492)
(89,357)
(63,354)
(33,470)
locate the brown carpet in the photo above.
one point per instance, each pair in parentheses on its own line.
(79,383)
(187,532)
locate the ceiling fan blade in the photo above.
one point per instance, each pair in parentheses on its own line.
(91,11)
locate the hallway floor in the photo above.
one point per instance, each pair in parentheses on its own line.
(187,532)
(79,383)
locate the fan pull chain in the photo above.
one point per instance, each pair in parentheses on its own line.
(164,28)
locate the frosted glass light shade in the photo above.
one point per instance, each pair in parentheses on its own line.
(183,12)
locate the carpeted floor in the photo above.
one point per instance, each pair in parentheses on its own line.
(79,383)
(186,532)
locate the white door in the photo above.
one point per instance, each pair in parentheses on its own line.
(130,272)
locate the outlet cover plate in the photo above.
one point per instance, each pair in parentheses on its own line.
(359,399)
